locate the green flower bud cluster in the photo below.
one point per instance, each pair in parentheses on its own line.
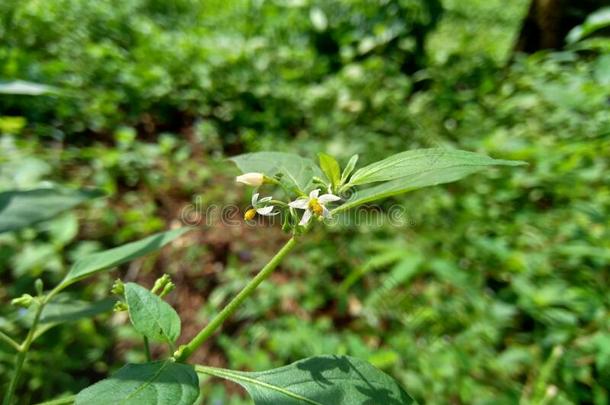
(25,301)
(120,306)
(118,288)
(163,286)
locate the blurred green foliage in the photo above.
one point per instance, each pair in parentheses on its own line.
(491,290)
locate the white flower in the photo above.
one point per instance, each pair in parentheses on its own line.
(314,205)
(251,179)
(259,207)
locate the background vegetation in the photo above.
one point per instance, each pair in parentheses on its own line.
(493,290)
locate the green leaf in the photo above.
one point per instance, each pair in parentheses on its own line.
(19,209)
(62,229)
(349,168)
(322,380)
(596,21)
(156,383)
(64,309)
(21,87)
(420,162)
(67,310)
(107,259)
(330,167)
(150,315)
(602,70)
(295,169)
(425,179)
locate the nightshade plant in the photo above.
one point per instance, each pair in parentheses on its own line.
(309,194)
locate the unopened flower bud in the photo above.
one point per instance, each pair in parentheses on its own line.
(24,301)
(161,283)
(118,288)
(167,289)
(120,306)
(39,286)
(251,179)
(250,214)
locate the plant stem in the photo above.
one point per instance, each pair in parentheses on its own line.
(23,351)
(185,351)
(278,203)
(147,349)
(6,338)
(59,401)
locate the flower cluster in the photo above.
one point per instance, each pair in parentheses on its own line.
(314,205)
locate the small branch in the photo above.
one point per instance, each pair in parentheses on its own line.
(7,339)
(24,348)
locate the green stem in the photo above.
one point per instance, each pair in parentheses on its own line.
(289,191)
(278,203)
(60,401)
(147,349)
(185,351)
(6,338)
(23,351)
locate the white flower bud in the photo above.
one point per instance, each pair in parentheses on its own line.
(251,179)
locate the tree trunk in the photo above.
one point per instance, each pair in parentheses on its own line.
(548,22)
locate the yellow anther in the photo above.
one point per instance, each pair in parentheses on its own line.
(316,207)
(249,215)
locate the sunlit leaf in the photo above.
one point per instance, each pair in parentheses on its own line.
(62,229)
(322,380)
(595,22)
(403,185)
(25,88)
(416,162)
(108,259)
(294,169)
(150,315)
(349,168)
(156,383)
(330,167)
(19,209)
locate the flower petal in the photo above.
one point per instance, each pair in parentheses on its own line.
(326,198)
(254,199)
(266,210)
(251,179)
(264,200)
(300,203)
(314,193)
(306,217)
(326,213)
